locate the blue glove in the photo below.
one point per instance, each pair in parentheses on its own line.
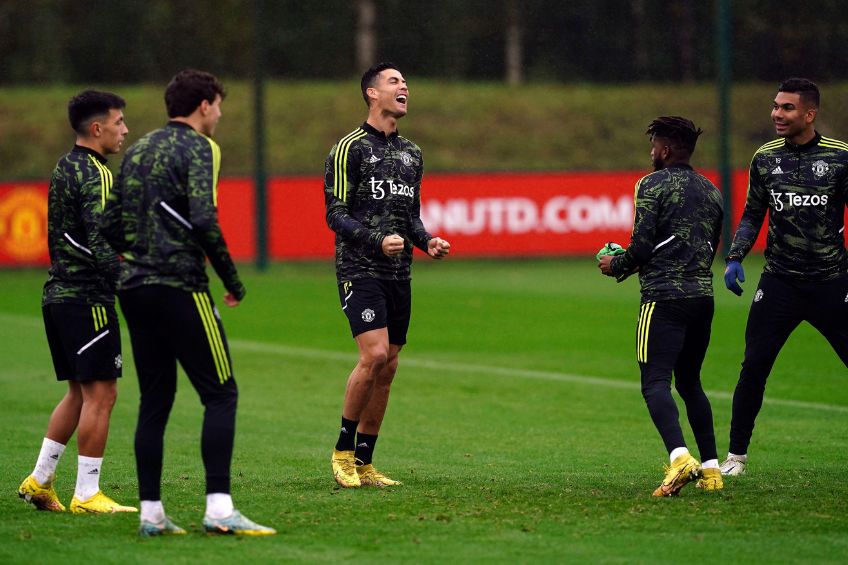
(733,272)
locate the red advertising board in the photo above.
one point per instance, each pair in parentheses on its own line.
(509,214)
(23,224)
(505,215)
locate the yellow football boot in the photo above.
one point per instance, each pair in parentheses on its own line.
(710,480)
(42,497)
(344,469)
(684,469)
(99,504)
(369,476)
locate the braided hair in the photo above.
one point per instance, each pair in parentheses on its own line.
(682,132)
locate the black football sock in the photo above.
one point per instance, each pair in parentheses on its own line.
(365,447)
(347,435)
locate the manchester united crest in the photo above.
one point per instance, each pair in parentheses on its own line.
(820,169)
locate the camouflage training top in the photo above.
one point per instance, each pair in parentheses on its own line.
(83,268)
(162,214)
(804,188)
(675,234)
(372,186)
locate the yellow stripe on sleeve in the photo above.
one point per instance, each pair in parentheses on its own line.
(833,145)
(340,163)
(104,189)
(771,145)
(337,172)
(833,141)
(216,167)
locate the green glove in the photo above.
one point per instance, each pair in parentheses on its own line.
(610,249)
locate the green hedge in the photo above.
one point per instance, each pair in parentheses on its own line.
(459,126)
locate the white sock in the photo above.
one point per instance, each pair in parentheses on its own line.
(711,464)
(219,505)
(152,511)
(48,458)
(88,477)
(677,452)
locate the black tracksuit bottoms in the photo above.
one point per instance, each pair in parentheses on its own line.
(672,338)
(168,325)
(780,304)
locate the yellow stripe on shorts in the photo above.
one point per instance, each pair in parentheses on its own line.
(645,313)
(98,313)
(213,334)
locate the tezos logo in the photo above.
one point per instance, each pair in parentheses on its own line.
(368,315)
(795,199)
(820,169)
(378,191)
(759,295)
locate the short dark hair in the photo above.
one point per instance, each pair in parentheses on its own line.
(679,130)
(806,88)
(369,79)
(188,89)
(89,104)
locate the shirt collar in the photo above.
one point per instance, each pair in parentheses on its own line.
(177,124)
(89,151)
(374,131)
(680,166)
(809,145)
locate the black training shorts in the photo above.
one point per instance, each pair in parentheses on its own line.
(84,340)
(371,304)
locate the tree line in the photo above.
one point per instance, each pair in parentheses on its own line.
(129,41)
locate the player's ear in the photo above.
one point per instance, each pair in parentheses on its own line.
(371,92)
(204,107)
(810,116)
(95,129)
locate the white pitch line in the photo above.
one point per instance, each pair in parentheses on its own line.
(325,355)
(350,358)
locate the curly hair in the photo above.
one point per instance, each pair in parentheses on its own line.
(679,130)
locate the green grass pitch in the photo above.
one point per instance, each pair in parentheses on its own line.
(516,425)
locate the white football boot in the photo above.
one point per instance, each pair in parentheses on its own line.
(734,465)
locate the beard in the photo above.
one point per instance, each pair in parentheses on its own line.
(658,164)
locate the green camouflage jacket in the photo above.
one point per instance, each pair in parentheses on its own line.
(372,187)
(83,268)
(805,190)
(676,231)
(162,214)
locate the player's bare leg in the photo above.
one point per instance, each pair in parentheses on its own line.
(65,417)
(373,356)
(98,400)
(372,416)
(370,422)
(37,488)
(374,350)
